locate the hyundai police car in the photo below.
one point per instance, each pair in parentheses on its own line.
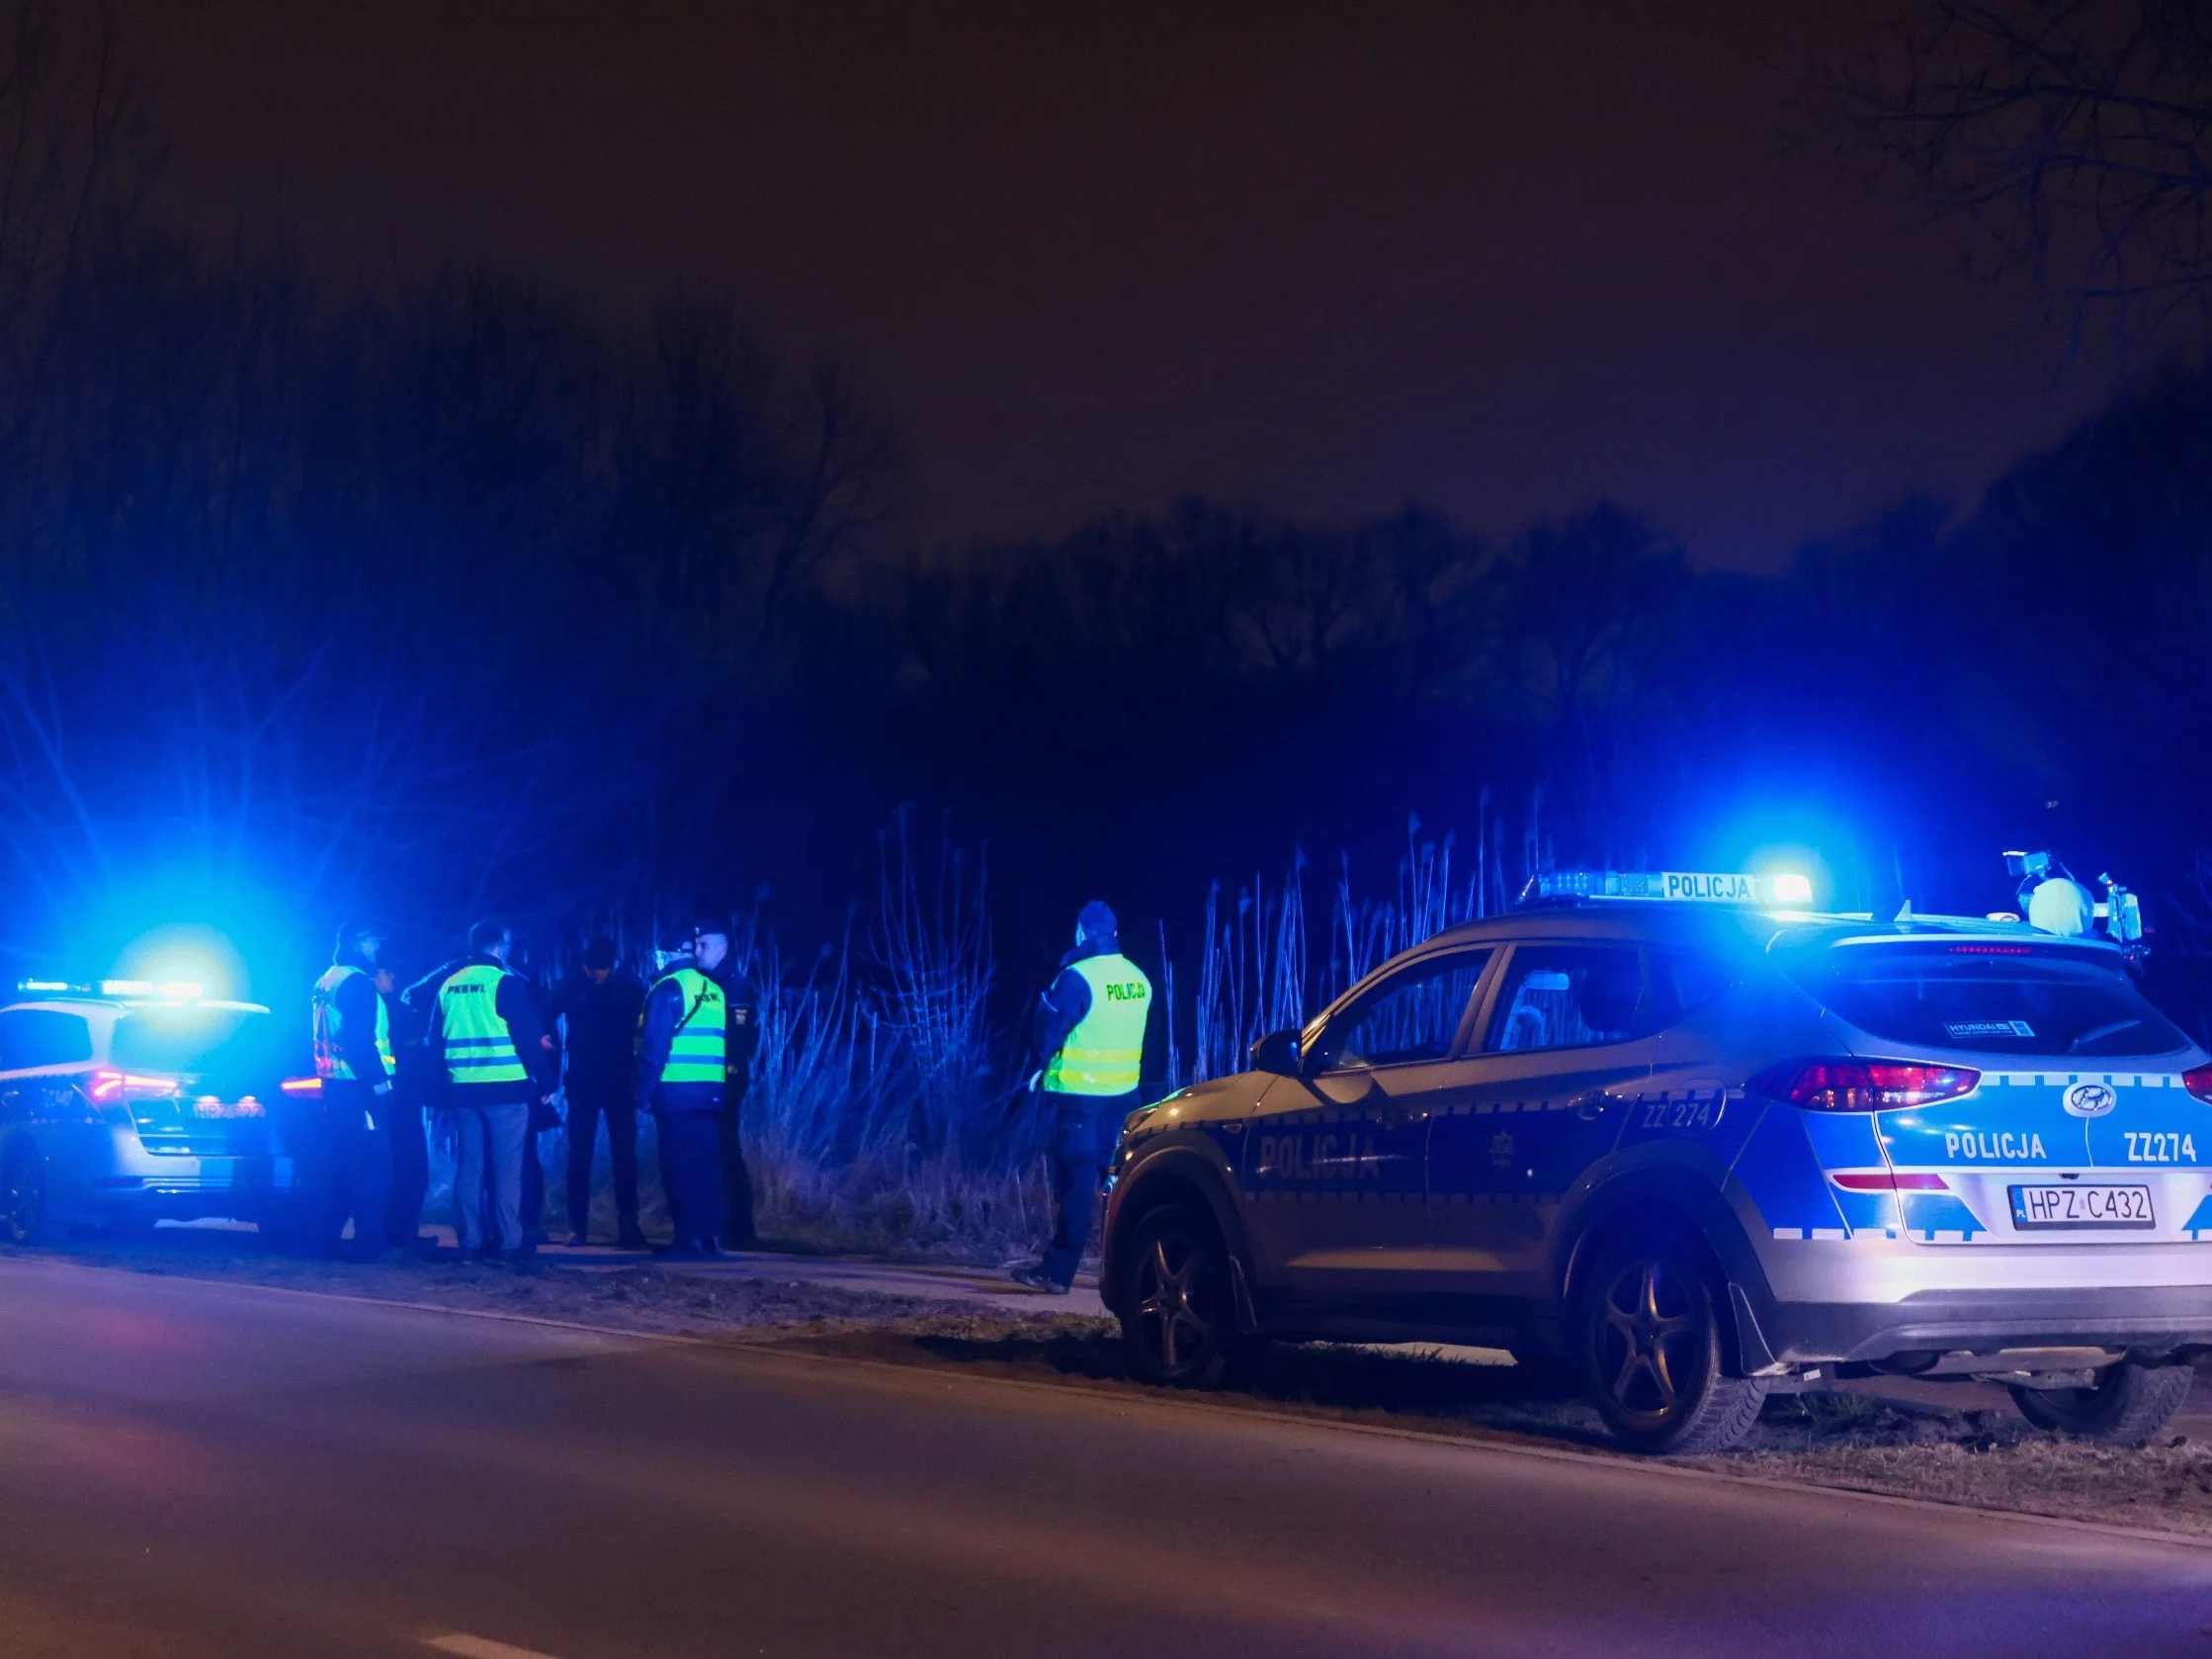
(132,1103)
(1701,1147)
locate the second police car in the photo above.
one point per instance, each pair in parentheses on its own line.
(127,1102)
(1699,1146)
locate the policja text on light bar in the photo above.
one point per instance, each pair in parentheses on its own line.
(1705,887)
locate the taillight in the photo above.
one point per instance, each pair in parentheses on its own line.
(2198,1082)
(1863,1085)
(130,1085)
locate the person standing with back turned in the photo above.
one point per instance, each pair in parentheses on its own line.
(485,1034)
(1092,1024)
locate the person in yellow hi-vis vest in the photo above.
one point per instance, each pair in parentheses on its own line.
(1091,1023)
(485,1038)
(683,1058)
(346,1151)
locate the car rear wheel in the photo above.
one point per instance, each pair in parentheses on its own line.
(2126,1405)
(23,1197)
(1180,1297)
(1652,1352)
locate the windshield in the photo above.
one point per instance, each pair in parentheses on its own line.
(1988,999)
(230,1051)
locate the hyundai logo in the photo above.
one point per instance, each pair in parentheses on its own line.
(2090,1099)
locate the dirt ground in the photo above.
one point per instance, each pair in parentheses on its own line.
(1963,1446)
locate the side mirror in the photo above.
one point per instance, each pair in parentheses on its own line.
(1277,1052)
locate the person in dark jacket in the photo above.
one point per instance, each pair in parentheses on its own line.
(420,1000)
(741,1040)
(485,1038)
(544,1117)
(410,1143)
(352,1147)
(682,1073)
(597,1015)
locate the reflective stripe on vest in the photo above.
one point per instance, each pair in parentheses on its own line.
(696,1052)
(1105,1053)
(479,1046)
(330,1024)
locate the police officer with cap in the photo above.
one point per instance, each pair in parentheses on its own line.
(682,1060)
(1091,1021)
(350,1160)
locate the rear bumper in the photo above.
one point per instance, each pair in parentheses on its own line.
(2153,1319)
(145,1189)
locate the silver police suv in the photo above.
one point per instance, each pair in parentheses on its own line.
(139,1104)
(1698,1150)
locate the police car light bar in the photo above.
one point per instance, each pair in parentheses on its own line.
(166,990)
(1785,890)
(169,990)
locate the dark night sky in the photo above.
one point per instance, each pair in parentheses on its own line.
(1504,259)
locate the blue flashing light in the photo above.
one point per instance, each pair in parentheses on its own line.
(1789,887)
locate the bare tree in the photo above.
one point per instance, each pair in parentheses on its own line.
(2072,139)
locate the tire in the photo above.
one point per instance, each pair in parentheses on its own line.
(2127,1405)
(1647,1330)
(1180,1327)
(22,1198)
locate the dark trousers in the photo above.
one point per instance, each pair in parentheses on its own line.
(533,1198)
(584,1113)
(1085,1131)
(691,1171)
(410,1173)
(357,1166)
(737,1182)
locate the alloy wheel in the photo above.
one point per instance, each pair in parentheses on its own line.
(1170,1292)
(23,1198)
(1650,1340)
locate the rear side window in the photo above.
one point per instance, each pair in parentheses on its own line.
(1987,999)
(1570,996)
(33,1037)
(1684,981)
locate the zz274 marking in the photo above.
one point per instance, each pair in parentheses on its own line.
(2157,1146)
(1701,1110)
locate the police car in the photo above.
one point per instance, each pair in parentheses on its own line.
(127,1102)
(1700,1146)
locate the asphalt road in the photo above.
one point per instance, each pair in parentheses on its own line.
(198,1469)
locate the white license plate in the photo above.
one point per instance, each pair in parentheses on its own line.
(2082,1206)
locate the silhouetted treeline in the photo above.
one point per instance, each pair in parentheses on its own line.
(433,597)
